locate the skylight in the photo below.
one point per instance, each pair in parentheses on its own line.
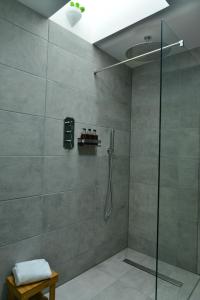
(103,18)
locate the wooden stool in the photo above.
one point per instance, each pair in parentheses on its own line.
(25,292)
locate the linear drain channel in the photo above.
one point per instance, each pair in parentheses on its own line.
(152,272)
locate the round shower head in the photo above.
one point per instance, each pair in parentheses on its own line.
(145,47)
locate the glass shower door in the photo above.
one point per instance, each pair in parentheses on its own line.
(178,194)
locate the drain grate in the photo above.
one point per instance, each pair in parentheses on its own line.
(152,272)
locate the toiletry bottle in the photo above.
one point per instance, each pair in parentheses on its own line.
(83,134)
(95,136)
(89,134)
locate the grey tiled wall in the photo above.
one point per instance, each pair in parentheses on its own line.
(51,199)
(144,159)
(179,182)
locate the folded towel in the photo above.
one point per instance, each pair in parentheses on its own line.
(31,271)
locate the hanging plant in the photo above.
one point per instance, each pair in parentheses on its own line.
(74,12)
(77,5)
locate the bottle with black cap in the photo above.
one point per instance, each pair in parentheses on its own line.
(89,134)
(83,134)
(95,136)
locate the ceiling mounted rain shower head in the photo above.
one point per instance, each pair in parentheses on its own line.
(145,47)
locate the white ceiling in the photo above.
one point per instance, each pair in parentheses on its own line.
(183,17)
(103,18)
(45,7)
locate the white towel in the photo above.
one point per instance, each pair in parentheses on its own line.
(31,271)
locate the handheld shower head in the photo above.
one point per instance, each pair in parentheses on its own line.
(109,201)
(112,142)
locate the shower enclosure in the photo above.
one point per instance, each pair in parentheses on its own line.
(108,232)
(164,160)
(178,173)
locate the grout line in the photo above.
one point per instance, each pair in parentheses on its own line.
(22,113)
(59,83)
(193,290)
(22,240)
(25,29)
(130,148)
(44,123)
(59,119)
(21,70)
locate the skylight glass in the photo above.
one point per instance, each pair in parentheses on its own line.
(103,18)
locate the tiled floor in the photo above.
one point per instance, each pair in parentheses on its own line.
(116,280)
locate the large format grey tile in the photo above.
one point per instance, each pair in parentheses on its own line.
(167,291)
(67,244)
(54,174)
(70,207)
(29,98)
(180,142)
(70,42)
(87,235)
(144,170)
(61,174)
(20,219)
(139,280)
(95,281)
(179,172)
(144,224)
(20,177)
(122,143)
(118,291)
(76,266)
(22,50)
(179,204)
(60,245)
(21,134)
(145,93)
(22,16)
(86,104)
(144,142)
(85,286)
(143,198)
(117,81)
(175,235)
(142,244)
(64,66)
(66,100)
(114,267)
(145,116)
(121,168)
(120,171)
(71,73)
(121,195)
(196,293)
(111,113)
(110,233)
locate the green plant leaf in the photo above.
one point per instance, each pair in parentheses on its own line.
(71,3)
(82,9)
(77,5)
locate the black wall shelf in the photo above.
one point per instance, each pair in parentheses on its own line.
(89,142)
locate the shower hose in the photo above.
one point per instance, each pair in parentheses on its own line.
(109,201)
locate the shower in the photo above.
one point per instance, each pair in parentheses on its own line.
(147,46)
(109,201)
